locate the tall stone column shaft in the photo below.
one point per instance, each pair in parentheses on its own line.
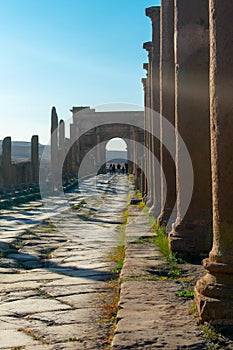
(148,123)
(214,292)
(194,234)
(35,159)
(6,163)
(143,160)
(154,14)
(167,109)
(146,134)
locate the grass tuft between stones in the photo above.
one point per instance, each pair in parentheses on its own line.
(111,306)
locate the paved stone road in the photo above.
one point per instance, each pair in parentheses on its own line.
(54,282)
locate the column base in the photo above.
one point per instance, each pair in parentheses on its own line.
(165,219)
(164,216)
(188,240)
(154,211)
(149,202)
(213,294)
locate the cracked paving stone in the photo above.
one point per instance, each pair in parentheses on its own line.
(56,302)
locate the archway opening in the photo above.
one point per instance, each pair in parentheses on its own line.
(116,155)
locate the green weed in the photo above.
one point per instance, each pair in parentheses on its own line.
(188,294)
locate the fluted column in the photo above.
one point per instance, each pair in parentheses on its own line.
(194,234)
(167,109)
(214,292)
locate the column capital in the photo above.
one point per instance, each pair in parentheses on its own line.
(145,66)
(148,46)
(152,12)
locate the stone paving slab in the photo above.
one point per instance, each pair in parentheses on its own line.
(54,282)
(150,315)
(13,338)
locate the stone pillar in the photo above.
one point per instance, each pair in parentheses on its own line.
(54,141)
(139,137)
(143,160)
(149,170)
(6,163)
(154,14)
(35,159)
(61,145)
(214,292)
(193,235)
(167,109)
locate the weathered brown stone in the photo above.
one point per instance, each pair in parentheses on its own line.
(94,129)
(148,46)
(194,234)
(213,293)
(6,162)
(143,186)
(167,109)
(154,14)
(35,159)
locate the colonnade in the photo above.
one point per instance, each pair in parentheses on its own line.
(189,84)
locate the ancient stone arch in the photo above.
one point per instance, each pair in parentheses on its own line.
(92,130)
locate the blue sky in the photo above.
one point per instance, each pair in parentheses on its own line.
(68,53)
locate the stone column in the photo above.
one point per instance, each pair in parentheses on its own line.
(149,170)
(61,145)
(6,162)
(35,159)
(214,292)
(54,141)
(139,137)
(193,235)
(167,109)
(143,161)
(154,14)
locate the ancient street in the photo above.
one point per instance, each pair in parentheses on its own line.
(116,216)
(53,285)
